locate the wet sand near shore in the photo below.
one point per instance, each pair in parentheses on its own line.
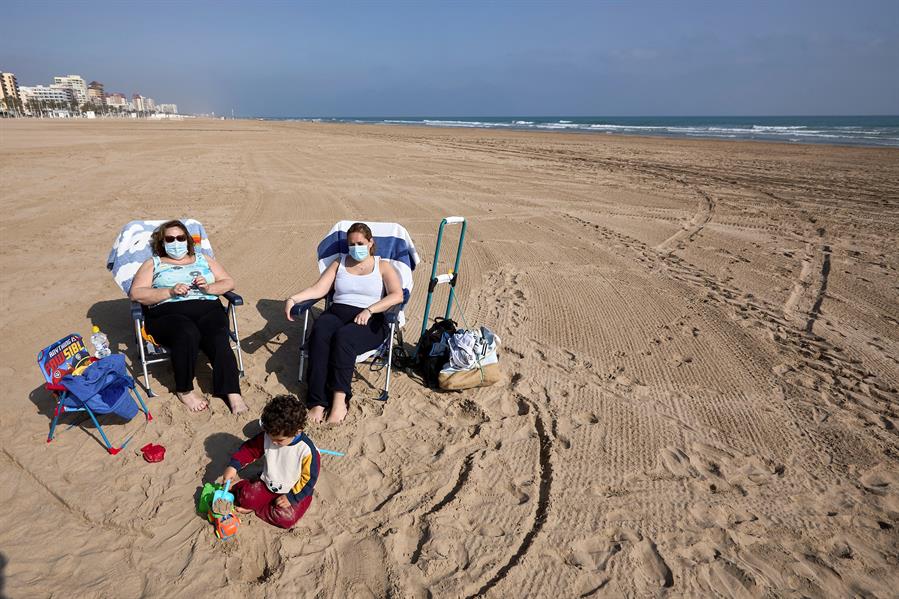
(700,344)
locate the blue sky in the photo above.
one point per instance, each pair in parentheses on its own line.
(471,58)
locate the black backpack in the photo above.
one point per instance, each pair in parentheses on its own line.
(429,366)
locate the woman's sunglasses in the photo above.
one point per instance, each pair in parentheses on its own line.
(171,238)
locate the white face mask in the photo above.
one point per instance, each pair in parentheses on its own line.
(176,249)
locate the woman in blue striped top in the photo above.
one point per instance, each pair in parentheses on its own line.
(180,288)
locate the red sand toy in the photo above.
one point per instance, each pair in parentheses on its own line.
(153,453)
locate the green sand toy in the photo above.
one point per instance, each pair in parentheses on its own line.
(206,495)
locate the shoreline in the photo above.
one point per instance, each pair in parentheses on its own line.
(615,135)
(436,123)
(571,135)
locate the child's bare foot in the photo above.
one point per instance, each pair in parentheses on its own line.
(242,510)
(193,402)
(316,414)
(236,403)
(338,412)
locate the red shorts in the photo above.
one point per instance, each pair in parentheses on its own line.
(254,495)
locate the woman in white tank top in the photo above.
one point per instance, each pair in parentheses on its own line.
(364,288)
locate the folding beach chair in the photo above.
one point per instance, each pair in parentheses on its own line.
(81,383)
(131,249)
(393,245)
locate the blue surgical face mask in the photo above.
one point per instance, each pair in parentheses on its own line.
(359,252)
(176,249)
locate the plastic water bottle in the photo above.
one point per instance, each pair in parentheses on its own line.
(100,343)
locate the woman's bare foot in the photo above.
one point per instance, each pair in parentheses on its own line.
(236,403)
(316,414)
(338,409)
(193,402)
(242,510)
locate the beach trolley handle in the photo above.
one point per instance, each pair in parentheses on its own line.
(452,277)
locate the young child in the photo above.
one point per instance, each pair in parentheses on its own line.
(283,493)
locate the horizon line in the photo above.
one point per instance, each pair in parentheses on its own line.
(577,116)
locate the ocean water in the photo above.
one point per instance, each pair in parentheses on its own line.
(842,130)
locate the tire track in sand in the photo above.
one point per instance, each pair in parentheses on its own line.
(425,535)
(693,226)
(503,299)
(822,289)
(810,361)
(810,287)
(546,478)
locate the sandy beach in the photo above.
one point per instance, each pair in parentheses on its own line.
(700,345)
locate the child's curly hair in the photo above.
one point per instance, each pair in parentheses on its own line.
(283,416)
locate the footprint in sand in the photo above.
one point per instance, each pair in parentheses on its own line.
(593,553)
(585,418)
(677,462)
(491,530)
(591,557)
(373,444)
(880,480)
(513,405)
(727,580)
(720,516)
(651,566)
(371,476)
(564,428)
(520,496)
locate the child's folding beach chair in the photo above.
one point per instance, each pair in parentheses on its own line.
(81,383)
(393,245)
(131,249)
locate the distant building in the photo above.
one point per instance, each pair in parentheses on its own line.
(95,93)
(167,108)
(137,101)
(74,83)
(40,99)
(27,100)
(116,100)
(10,101)
(150,104)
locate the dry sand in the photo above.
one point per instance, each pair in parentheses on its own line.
(700,340)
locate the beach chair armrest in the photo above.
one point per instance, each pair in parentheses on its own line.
(137,311)
(54,387)
(233,298)
(298,309)
(392,314)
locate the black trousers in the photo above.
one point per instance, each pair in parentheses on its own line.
(333,346)
(185,328)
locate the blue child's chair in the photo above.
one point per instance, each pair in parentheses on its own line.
(81,383)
